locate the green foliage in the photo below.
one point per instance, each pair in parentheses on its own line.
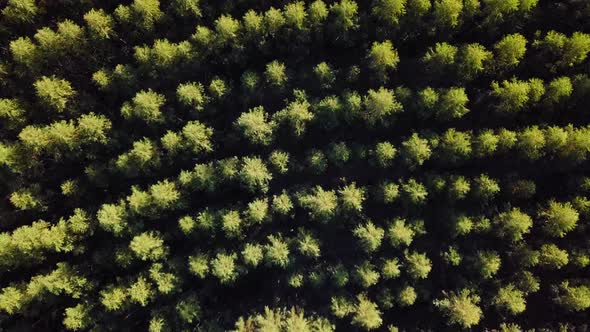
(473,60)
(488,263)
(274,20)
(307,244)
(460,308)
(157,324)
(142,13)
(203,36)
(279,160)
(166,282)
(414,192)
(94,128)
(399,233)
(366,314)
(296,280)
(369,236)
(568,51)
(462,225)
(282,203)
(573,298)
(552,257)
(254,174)
(510,50)
(231,224)
(54,93)
(218,88)
(192,94)
(427,100)
(100,24)
(164,194)
(498,11)
(576,49)
(531,143)
(283,320)
(252,23)
(102,79)
(390,269)
(317,12)
(325,74)
(558,89)
(26,199)
(198,265)
(228,168)
(317,278)
(447,13)
(255,126)
(276,252)
(341,306)
(172,142)
(389,192)
(510,299)
(555,139)
(223,267)
(252,254)
(295,15)
(24,52)
(250,81)
(19,11)
(380,105)
(366,275)
(419,7)
(352,197)
(69,188)
(485,187)
(559,218)
(385,152)
(142,157)
(146,105)
(418,265)
(345,15)
(485,143)
(452,104)
(112,217)
(77,318)
(187,8)
(452,256)
(66,40)
(297,115)
(367,159)
(140,292)
(440,57)
(455,146)
(226,28)
(197,137)
(458,188)
(416,150)
(383,57)
(389,11)
(148,246)
(320,203)
(113,298)
(275,74)
(512,95)
(189,309)
(407,296)
(506,139)
(257,211)
(513,224)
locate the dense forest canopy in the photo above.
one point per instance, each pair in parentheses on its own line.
(325,165)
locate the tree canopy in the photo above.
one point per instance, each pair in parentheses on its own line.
(294,165)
